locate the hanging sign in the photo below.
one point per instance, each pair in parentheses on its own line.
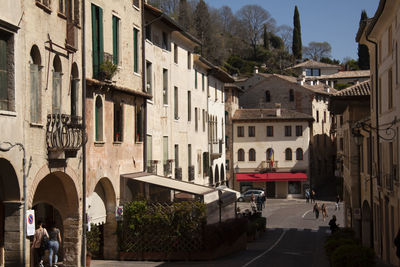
(30,222)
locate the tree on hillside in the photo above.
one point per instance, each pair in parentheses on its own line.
(363,53)
(286,34)
(350,64)
(202,26)
(253,18)
(168,6)
(328,60)
(226,16)
(184,15)
(265,38)
(317,50)
(296,44)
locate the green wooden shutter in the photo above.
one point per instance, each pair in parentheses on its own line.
(35,98)
(135,50)
(95,48)
(101,46)
(195,79)
(115,39)
(3,76)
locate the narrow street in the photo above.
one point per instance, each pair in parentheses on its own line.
(293,238)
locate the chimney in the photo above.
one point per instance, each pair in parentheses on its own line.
(301,79)
(317,82)
(278,109)
(311,82)
(255,70)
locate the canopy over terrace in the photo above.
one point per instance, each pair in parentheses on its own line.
(271,177)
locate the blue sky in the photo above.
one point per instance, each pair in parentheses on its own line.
(333,21)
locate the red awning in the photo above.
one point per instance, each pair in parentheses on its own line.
(271,177)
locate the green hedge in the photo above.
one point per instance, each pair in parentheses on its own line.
(353,256)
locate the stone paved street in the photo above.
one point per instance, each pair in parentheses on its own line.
(293,238)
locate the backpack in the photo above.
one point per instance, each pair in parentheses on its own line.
(44,244)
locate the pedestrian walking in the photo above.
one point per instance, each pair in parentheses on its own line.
(307,195)
(259,203)
(54,244)
(316,210)
(38,238)
(263,198)
(313,196)
(324,211)
(337,203)
(253,202)
(332,224)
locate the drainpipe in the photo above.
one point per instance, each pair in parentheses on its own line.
(84,222)
(144,88)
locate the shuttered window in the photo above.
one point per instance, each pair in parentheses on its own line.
(3,74)
(56,104)
(135,50)
(118,122)
(74,96)
(97,39)
(115,25)
(99,119)
(165,86)
(35,93)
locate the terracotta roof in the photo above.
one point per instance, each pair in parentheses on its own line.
(361,89)
(314,64)
(269,114)
(347,74)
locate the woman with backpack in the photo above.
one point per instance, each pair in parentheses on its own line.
(40,237)
(54,244)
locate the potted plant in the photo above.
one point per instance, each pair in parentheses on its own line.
(108,70)
(92,243)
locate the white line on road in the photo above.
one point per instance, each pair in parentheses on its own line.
(306,213)
(268,250)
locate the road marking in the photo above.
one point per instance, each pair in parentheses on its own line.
(268,250)
(293,253)
(305,213)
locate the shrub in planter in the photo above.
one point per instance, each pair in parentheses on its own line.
(108,70)
(332,244)
(93,241)
(353,256)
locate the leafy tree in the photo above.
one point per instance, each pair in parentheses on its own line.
(253,18)
(350,64)
(363,53)
(276,41)
(296,44)
(286,34)
(329,60)
(227,18)
(265,38)
(317,50)
(202,26)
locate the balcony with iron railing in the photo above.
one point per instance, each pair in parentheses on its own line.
(168,167)
(64,134)
(268,165)
(152,166)
(191,172)
(178,174)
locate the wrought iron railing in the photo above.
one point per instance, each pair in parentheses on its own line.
(269,164)
(152,166)
(168,167)
(64,132)
(191,172)
(178,173)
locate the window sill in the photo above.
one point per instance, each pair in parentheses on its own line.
(99,143)
(149,41)
(138,142)
(44,7)
(150,101)
(137,74)
(117,143)
(136,7)
(61,15)
(36,125)
(8,113)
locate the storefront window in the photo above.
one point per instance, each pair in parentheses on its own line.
(294,187)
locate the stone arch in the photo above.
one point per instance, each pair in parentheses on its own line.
(57,66)
(35,56)
(211,177)
(59,192)
(366,224)
(10,215)
(104,197)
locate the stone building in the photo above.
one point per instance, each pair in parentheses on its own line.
(265,90)
(381,34)
(115,111)
(271,151)
(41,133)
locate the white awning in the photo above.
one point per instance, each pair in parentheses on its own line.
(209,194)
(96,209)
(237,193)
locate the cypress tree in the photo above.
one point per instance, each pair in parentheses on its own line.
(363,53)
(296,45)
(202,26)
(183,15)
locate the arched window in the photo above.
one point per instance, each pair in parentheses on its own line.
(299,154)
(270,154)
(57,69)
(216,175)
(252,155)
(35,88)
(288,154)
(291,95)
(74,89)
(240,155)
(99,119)
(267,96)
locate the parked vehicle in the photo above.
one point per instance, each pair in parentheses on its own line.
(246,196)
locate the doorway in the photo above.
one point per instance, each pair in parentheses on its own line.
(270,189)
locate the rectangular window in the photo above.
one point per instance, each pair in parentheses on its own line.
(118,119)
(288,130)
(270,131)
(341,120)
(317,116)
(252,131)
(149,148)
(136,3)
(240,131)
(97,39)
(62,6)
(390,89)
(149,78)
(165,149)
(176,152)
(4,95)
(341,144)
(189,105)
(204,120)
(116,33)
(176,116)
(139,123)
(176,53)
(299,130)
(195,79)
(165,86)
(196,121)
(202,82)
(324,117)
(35,92)
(189,60)
(148,32)
(165,41)
(135,50)
(56,103)
(215,91)
(189,155)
